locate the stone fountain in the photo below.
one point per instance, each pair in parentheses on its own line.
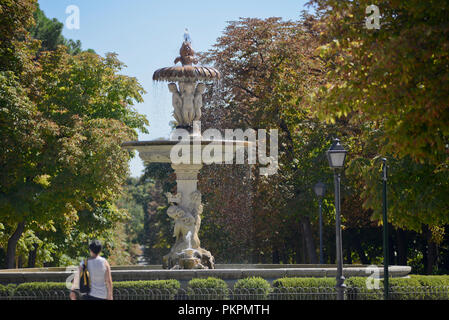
(187,83)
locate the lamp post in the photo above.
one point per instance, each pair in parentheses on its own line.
(385,223)
(320,190)
(336,156)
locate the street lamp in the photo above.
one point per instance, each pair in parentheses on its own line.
(320,190)
(336,156)
(385,232)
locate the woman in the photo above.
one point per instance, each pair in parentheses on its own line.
(100,275)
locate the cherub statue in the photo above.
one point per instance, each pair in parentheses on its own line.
(187,93)
(196,207)
(177,103)
(175,212)
(182,226)
(198,100)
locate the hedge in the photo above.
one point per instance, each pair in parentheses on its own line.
(413,288)
(42,290)
(437,287)
(4,292)
(356,289)
(161,289)
(304,289)
(208,289)
(250,288)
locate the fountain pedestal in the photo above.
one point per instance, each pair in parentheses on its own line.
(186,209)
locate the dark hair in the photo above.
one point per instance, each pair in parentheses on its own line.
(95,246)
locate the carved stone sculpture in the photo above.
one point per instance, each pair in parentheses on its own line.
(177,103)
(187,102)
(188,94)
(186,209)
(187,54)
(198,100)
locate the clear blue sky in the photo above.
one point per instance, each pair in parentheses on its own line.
(147,35)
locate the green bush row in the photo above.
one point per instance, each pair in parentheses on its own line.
(414,287)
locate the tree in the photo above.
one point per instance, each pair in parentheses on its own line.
(64,120)
(393,81)
(394,77)
(267,67)
(49,32)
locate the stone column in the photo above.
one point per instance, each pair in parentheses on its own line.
(186,209)
(187,182)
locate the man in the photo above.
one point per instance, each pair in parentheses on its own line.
(100,275)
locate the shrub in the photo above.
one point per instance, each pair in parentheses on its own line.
(42,291)
(4,292)
(405,289)
(304,289)
(146,290)
(413,288)
(207,289)
(434,287)
(251,288)
(356,289)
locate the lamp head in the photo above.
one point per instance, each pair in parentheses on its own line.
(336,155)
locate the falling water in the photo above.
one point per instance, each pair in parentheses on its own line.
(189,239)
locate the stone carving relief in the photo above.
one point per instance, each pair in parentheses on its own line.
(187,102)
(187,225)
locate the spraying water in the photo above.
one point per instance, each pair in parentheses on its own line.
(189,239)
(187,36)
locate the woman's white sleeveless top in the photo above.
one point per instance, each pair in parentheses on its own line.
(97,271)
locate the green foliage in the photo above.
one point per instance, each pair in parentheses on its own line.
(357,290)
(413,288)
(167,288)
(4,292)
(210,288)
(304,288)
(381,76)
(16,48)
(42,290)
(304,282)
(438,285)
(405,289)
(49,31)
(256,286)
(63,119)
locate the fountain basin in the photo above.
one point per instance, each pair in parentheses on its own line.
(230,273)
(160,150)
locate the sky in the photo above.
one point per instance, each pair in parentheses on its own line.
(147,35)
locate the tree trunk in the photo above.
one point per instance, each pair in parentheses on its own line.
(310,244)
(303,249)
(432,253)
(32,256)
(12,245)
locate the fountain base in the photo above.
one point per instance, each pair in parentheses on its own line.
(189,259)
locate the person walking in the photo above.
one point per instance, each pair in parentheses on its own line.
(100,275)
